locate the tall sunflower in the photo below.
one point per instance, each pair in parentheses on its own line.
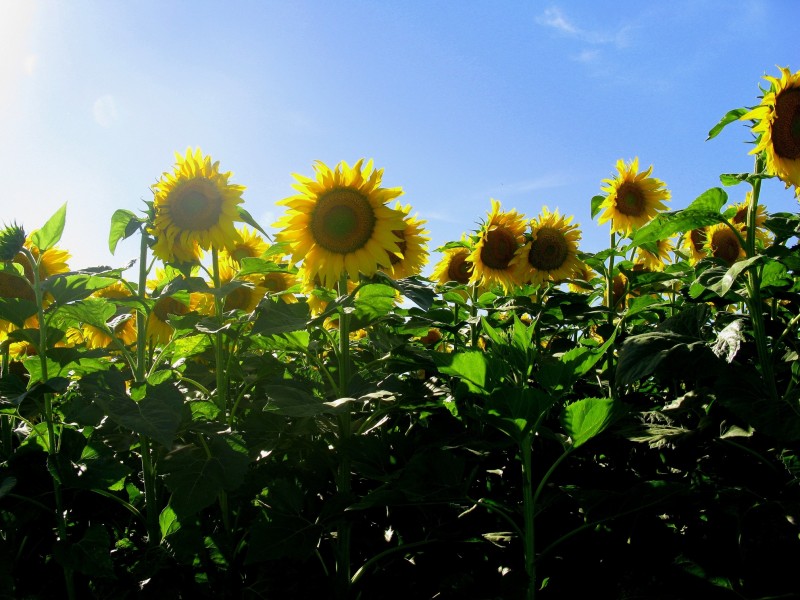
(339,222)
(249,245)
(453,266)
(499,240)
(413,253)
(740,220)
(551,253)
(721,242)
(633,198)
(777,125)
(194,204)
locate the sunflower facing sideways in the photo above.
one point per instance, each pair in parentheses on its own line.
(723,243)
(694,243)
(658,260)
(453,266)
(633,198)
(777,125)
(339,223)
(551,253)
(413,253)
(499,240)
(195,207)
(123,325)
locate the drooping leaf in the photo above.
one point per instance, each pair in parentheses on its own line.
(586,418)
(279,317)
(248,218)
(123,225)
(50,234)
(16,310)
(730,117)
(642,354)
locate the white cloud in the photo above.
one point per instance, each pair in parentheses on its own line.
(105,110)
(555,19)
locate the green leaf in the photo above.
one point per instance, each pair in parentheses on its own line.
(373,301)
(16,310)
(477,371)
(49,235)
(586,418)
(595,205)
(123,225)
(516,411)
(415,290)
(257,266)
(280,317)
(157,415)
(92,554)
(248,218)
(296,402)
(168,522)
(196,475)
(730,117)
(67,288)
(711,200)
(722,286)
(642,354)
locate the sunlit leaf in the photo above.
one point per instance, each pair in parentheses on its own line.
(586,418)
(50,234)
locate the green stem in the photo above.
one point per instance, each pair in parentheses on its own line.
(611,311)
(150,492)
(219,350)
(528,507)
(343,478)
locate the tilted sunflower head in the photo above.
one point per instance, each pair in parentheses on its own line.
(657,256)
(633,198)
(195,205)
(777,127)
(694,244)
(723,243)
(739,219)
(499,240)
(413,253)
(453,266)
(339,223)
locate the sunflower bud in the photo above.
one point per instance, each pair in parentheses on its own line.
(12,239)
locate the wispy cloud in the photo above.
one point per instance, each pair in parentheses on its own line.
(554,18)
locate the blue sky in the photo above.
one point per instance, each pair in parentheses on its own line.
(531,103)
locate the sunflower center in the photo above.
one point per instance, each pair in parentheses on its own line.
(698,238)
(196,205)
(274,282)
(630,199)
(459,269)
(498,248)
(12,286)
(724,245)
(549,250)
(786,128)
(343,221)
(239,298)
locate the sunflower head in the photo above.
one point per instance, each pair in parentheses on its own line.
(194,205)
(633,198)
(12,240)
(777,127)
(499,240)
(413,253)
(551,254)
(739,219)
(340,224)
(722,243)
(655,259)
(453,266)
(249,245)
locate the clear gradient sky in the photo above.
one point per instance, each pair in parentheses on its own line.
(531,103)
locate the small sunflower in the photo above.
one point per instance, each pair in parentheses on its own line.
(633,198)
(158,330)
(276,282)
(721,242)
(740,220)
(499,240)
(413,253)
(340,224)
(585,274)
(249,245)
(454,266)
(245,297)
(123,325)
(195,204)
(778,127)
(694,243)
(551,254)
(659,260)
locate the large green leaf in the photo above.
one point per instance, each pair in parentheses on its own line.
(50,234)
(68,287)
(156,415)
(586,418)
(642,354)
(279,317)
(516,411)
(196,475)
(16,310)
(296,402)
(473,367)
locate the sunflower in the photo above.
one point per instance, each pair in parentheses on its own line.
(340,224)
(158,330)
(123,325)
(195,204)
(175,251)
(721,242)
(778,127)
(454,266)
(585,274)
(694,243)
(413,253)
(249,245)
(658,260)
(277,282)
(740,220)
(551,254)
(499,240)
(633,198)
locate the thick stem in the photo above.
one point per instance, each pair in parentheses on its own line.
(343,477)
(219,350)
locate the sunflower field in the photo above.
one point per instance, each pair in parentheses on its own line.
(305,415)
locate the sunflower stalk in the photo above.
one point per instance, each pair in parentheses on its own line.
(343,478)
(52,445)
(219,350)
(611,308)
